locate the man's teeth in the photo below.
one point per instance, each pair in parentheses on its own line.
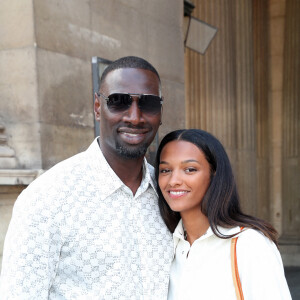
(132,134)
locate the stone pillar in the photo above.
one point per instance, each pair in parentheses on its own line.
(261,76)
(276,49)
(291,125)
(210,78)
(246,135)
(219,88)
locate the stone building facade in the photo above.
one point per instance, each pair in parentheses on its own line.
(244,89)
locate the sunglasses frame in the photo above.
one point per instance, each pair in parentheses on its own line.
(130,95)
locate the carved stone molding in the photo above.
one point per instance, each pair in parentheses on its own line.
(18,177)
(7,154)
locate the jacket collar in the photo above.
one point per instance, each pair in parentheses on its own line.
(107,179)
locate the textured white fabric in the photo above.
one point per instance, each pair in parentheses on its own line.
(77,232)
(206,272)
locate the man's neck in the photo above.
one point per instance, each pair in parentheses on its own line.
(130,171)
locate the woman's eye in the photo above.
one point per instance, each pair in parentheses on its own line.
(190,170)
(163,171)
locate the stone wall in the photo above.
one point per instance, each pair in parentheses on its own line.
(45,57)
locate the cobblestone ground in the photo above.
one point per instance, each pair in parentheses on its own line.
(293,278)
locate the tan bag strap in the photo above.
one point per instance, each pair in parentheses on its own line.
(235,271)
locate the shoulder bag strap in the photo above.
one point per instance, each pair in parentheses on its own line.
(235,271)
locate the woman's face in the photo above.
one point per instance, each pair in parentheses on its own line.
(184,176)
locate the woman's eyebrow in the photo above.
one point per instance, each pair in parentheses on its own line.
(183,162)
(191,160)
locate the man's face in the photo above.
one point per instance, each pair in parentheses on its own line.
(128,133)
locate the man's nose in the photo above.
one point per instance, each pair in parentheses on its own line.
(134,115)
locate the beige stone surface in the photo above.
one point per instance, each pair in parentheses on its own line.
(167,11)
(291,196)
(16,24)
(66,106)
(246,180)
(8,195)
(5,213)
(97,29)
(18,85)
(64,90)
(277,7)
(16,177)
(60,142)
(291,124)
(276,51)
(263,210)
(19,109)
(276,28)
(24,138)
(276,76)
(173,107)
(7,162)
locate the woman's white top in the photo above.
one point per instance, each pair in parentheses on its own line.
(203,270)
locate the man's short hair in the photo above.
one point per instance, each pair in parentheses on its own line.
(128,62)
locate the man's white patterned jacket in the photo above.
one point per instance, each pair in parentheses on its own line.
(77,232)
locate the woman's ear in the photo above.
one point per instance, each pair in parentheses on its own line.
(97,105)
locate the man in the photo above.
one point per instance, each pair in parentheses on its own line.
(90,228)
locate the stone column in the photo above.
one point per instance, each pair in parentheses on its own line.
(260,40)
(219,88)
(291,124)
(210,78)
(245,130)
(276,49)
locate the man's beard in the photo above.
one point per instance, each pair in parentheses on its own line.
(127,153)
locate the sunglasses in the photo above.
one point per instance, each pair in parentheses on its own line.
(120,102)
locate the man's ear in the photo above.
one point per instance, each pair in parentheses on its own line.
(161,114)
(97,105)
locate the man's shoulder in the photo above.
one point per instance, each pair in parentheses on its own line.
(61,173)
(82,160)
(66,166)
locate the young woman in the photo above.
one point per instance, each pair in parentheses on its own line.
(199,202)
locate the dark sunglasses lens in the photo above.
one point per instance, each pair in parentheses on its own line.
(150,104)
(118,102)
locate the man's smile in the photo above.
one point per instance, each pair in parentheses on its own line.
(132,135)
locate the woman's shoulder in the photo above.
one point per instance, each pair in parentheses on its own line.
(260,266)
(253,244)
(249,237)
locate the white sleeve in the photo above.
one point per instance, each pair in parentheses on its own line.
(260,268)
(31,249)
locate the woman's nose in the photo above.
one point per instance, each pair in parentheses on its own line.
(175,179)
